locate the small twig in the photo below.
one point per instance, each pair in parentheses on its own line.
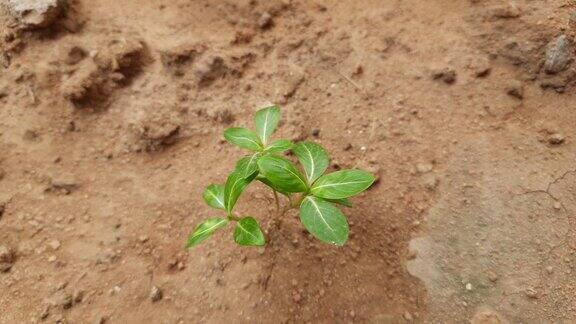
(348,79)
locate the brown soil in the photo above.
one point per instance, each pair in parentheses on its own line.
(111,121)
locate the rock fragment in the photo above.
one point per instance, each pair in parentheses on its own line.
(7,258)
(35,13)
(62,185)
(155,294)
(556,139)
(558,55)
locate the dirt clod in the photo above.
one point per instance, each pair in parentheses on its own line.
(447,75)
(74,55)
(506,11)
(265,21)
(531,293)
(177,59)
(408,316)
(515,89)
(62,299)
(54,244)
(209,69)
(487,316)
(424,167)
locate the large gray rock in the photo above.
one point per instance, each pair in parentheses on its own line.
(34,13)
(558,55)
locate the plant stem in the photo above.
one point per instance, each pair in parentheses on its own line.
(233,218)
(297,202)
(277,201)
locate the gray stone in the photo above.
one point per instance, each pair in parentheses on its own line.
(558,55)
(34,13)
(156,294)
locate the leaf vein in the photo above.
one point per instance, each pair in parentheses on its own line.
(209,229)
(338,184)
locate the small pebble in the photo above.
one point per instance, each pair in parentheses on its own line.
(556,139)
(155,294)
(492,276)
(265,21)
(424,167)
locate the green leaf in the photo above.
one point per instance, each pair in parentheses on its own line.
(248,165)
(341,201)
(342,184)
(272,186)
(282,174)
(313,158)
(214,196)
(204,230)
(266,121)
(243,138)
(248,232)
(279,146)
(235,185)
(324,220)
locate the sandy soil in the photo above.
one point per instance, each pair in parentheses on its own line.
(111,121)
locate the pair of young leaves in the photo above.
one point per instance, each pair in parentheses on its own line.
(317,211)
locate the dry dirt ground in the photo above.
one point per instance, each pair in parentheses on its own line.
(111,121)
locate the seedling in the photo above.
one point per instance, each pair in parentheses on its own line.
(316,194)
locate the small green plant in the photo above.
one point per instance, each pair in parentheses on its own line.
(314,192)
